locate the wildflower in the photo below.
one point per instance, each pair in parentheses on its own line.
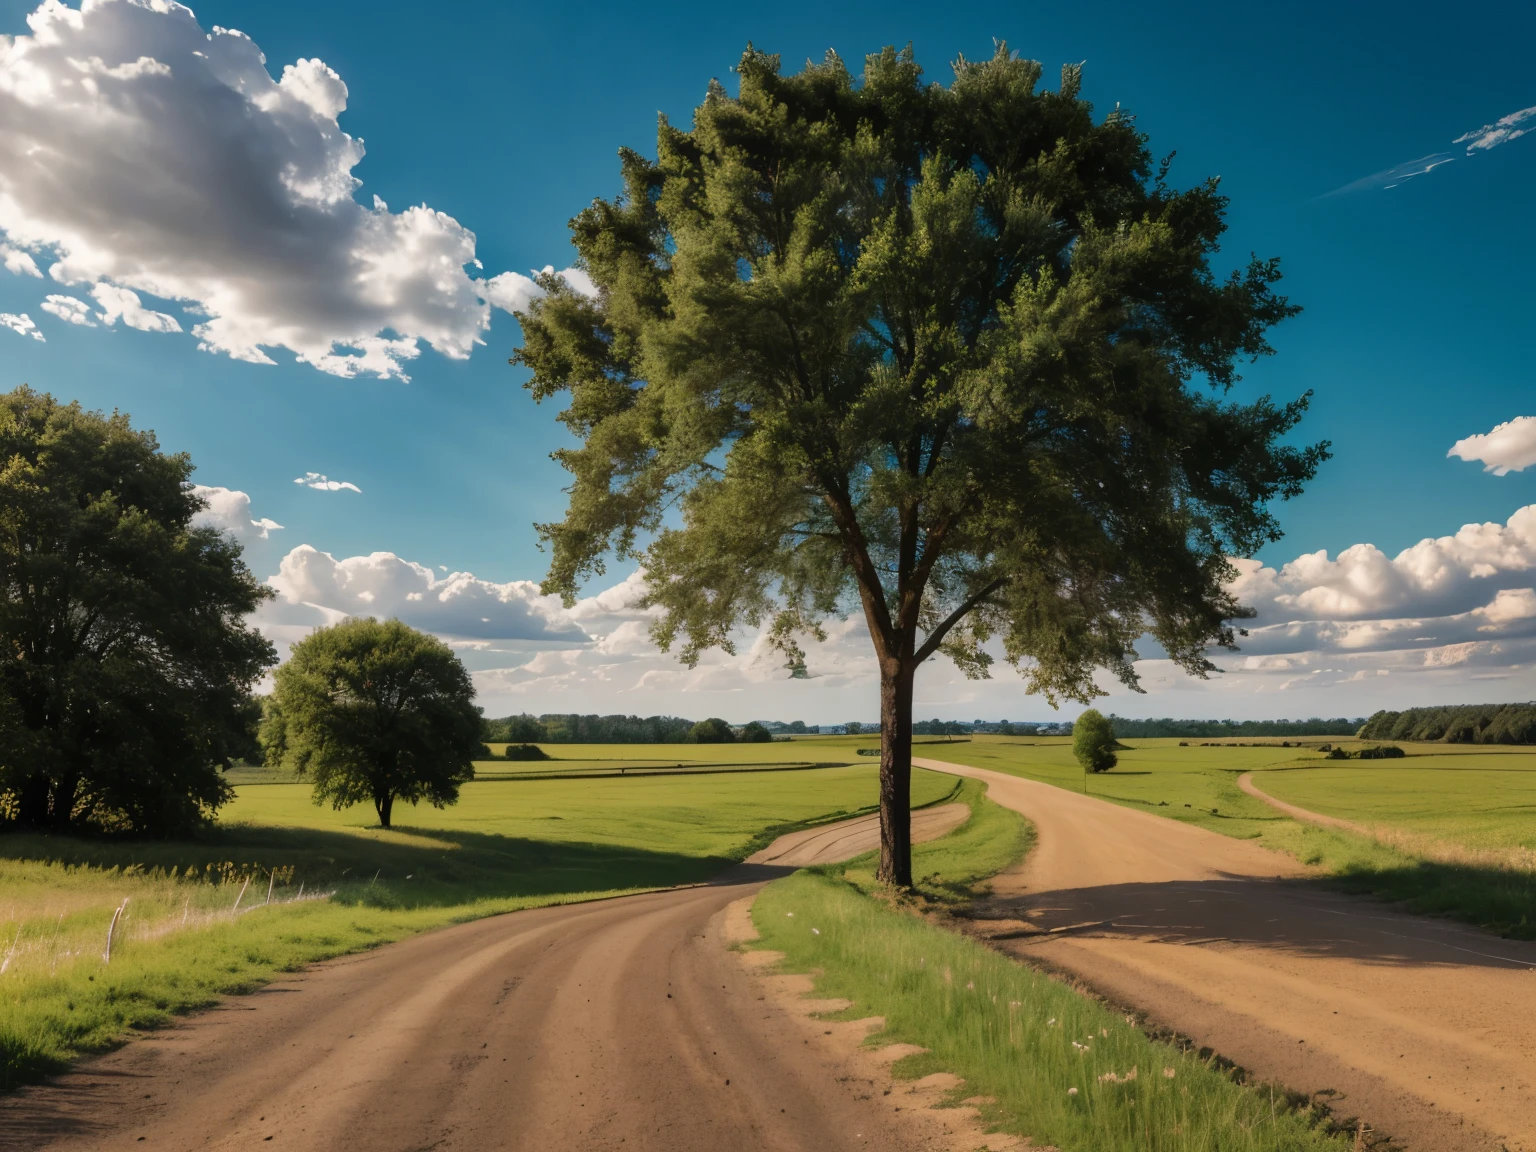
(1104,1032)
(1168,1073)
(1050,1022)
(1080,1047)
(789,913)
(1071,1091)
(816,931)
(970,985)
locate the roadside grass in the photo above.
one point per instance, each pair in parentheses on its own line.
(1453,831)
(196,924)
(1061,1068)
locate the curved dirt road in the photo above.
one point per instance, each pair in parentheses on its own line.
(620,1024)
(1423,1027)
(1306,816)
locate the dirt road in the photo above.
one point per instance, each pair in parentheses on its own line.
(614,1025)
(1424,1028)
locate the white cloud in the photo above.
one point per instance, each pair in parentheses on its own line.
(458,605)
(21,324)
(229,510)
(69,309)
(124,303)
(139,153)
(513,292)
(1489,136)
(1509,447)
(18,262)
(325,484)
(1501,131)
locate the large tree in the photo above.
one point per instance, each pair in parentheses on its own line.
(375,711)
(954,354)
(126,661)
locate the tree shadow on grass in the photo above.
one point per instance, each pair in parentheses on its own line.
(409,868)
(1310,918)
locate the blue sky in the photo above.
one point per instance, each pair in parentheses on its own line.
(506,118)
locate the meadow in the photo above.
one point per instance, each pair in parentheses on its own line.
(278,883)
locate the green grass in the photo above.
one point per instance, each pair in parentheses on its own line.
(506,845)
(1009,1032)
(1455,830)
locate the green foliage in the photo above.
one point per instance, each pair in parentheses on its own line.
(1093,741)
(853,728)
(561,728)
(755,733)
(925,349)
(944,336)
(1376,752)
(1457,724)
(1218,729)
(126,663)
(712,731)
(374,711)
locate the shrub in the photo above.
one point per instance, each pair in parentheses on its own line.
(1093,741)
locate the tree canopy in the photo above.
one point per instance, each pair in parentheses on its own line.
(953,357)
(1093,742)
(377,712)
(126,662)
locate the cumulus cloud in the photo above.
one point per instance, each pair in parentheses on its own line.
(140,153)
(325,484)
(124,304)
(1484,139)
(513,292)
(21,324)
(459,605)
(229,510)
(1509,447)
(70,310)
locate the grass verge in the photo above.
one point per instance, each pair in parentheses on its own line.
(1061,1068)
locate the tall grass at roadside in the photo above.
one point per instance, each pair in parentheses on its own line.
(1061,1068)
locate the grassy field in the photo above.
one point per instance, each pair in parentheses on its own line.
(1060,1068)
(195,919)
(1453,827)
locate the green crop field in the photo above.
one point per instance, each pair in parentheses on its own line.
(196,920)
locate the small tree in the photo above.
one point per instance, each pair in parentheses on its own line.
(854,728)
(1093,742)
(712,731)
(126,655)
(755,733)
(375,711)
(952,357)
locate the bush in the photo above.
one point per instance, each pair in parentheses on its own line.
(755,733)
(1093,741)
(1382,752)
(711,731)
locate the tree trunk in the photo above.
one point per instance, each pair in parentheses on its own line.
(896,773)
(384,803)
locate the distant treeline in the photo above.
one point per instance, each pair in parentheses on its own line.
(1208,729)
(560,728)
(1457,724)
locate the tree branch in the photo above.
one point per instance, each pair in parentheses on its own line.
(936,637)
